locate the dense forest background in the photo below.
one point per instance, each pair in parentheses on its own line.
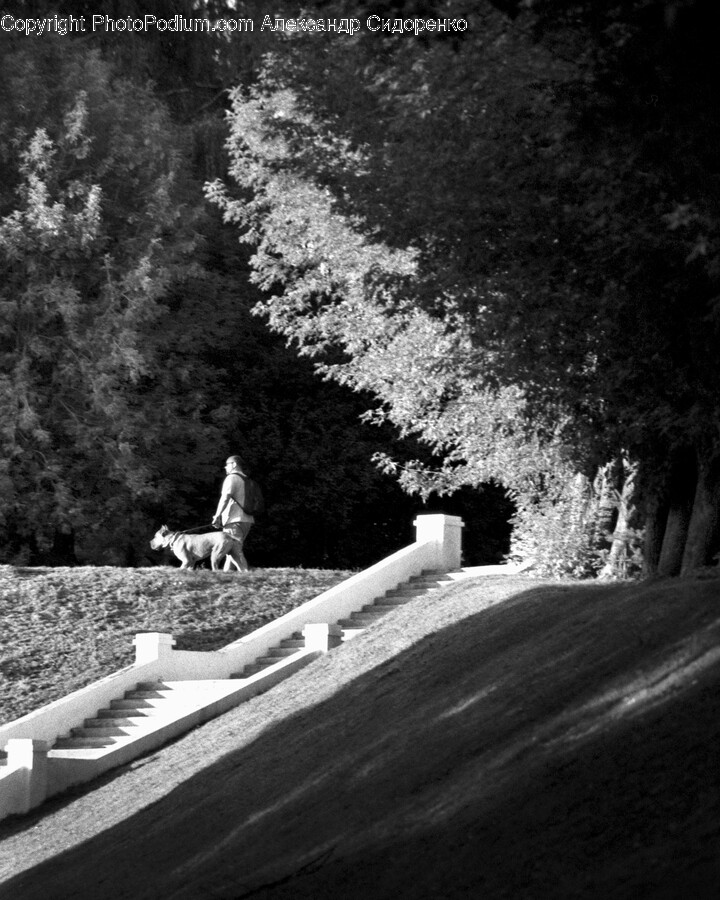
(472,270)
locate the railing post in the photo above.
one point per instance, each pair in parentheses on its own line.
(446,533)
(151,646)
(322,636)
(28,759)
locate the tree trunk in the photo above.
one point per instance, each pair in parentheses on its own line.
(682,492)
(655,519)
(606,487)
(703,527)
(616,563)
(62,552)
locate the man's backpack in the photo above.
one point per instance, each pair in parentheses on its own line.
(254,503)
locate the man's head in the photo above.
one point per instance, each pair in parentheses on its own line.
(234,464)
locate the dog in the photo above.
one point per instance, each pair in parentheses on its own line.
(191,548)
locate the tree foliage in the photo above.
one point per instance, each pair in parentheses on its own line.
(507,238)
(92,172)
(504,242)
(130,366)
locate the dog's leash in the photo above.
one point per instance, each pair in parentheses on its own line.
(199,529)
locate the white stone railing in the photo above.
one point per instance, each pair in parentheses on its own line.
(27,739)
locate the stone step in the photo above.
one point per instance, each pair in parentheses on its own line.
(406,590)
(265,661)
(361,619)
(101,731)
(295,643)
(253,668)
(174,692)
(82,743)
(178,689)
(170,689)
(386,604)
(280,652)
(139,707)
(391,602)
(368,617)
(112,720)
(430,578)
(152,695)
(126,713)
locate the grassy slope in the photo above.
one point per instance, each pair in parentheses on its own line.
(514,740)
(63,628)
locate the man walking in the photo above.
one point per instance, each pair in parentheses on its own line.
(230,513)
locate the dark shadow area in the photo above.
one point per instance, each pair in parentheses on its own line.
(486,512)
(611,820)
(559,744)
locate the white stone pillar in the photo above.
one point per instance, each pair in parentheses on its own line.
(152,645)
(322,636)
(28,759)
(446,533)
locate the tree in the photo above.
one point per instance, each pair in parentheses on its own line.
(131,366)
(90,194)
(493,234)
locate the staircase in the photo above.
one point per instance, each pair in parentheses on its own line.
(284,649)
(157,711)
(417,586)
(149,708)
(166,692)
(357,622)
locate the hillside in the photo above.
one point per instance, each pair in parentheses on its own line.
(516,739)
